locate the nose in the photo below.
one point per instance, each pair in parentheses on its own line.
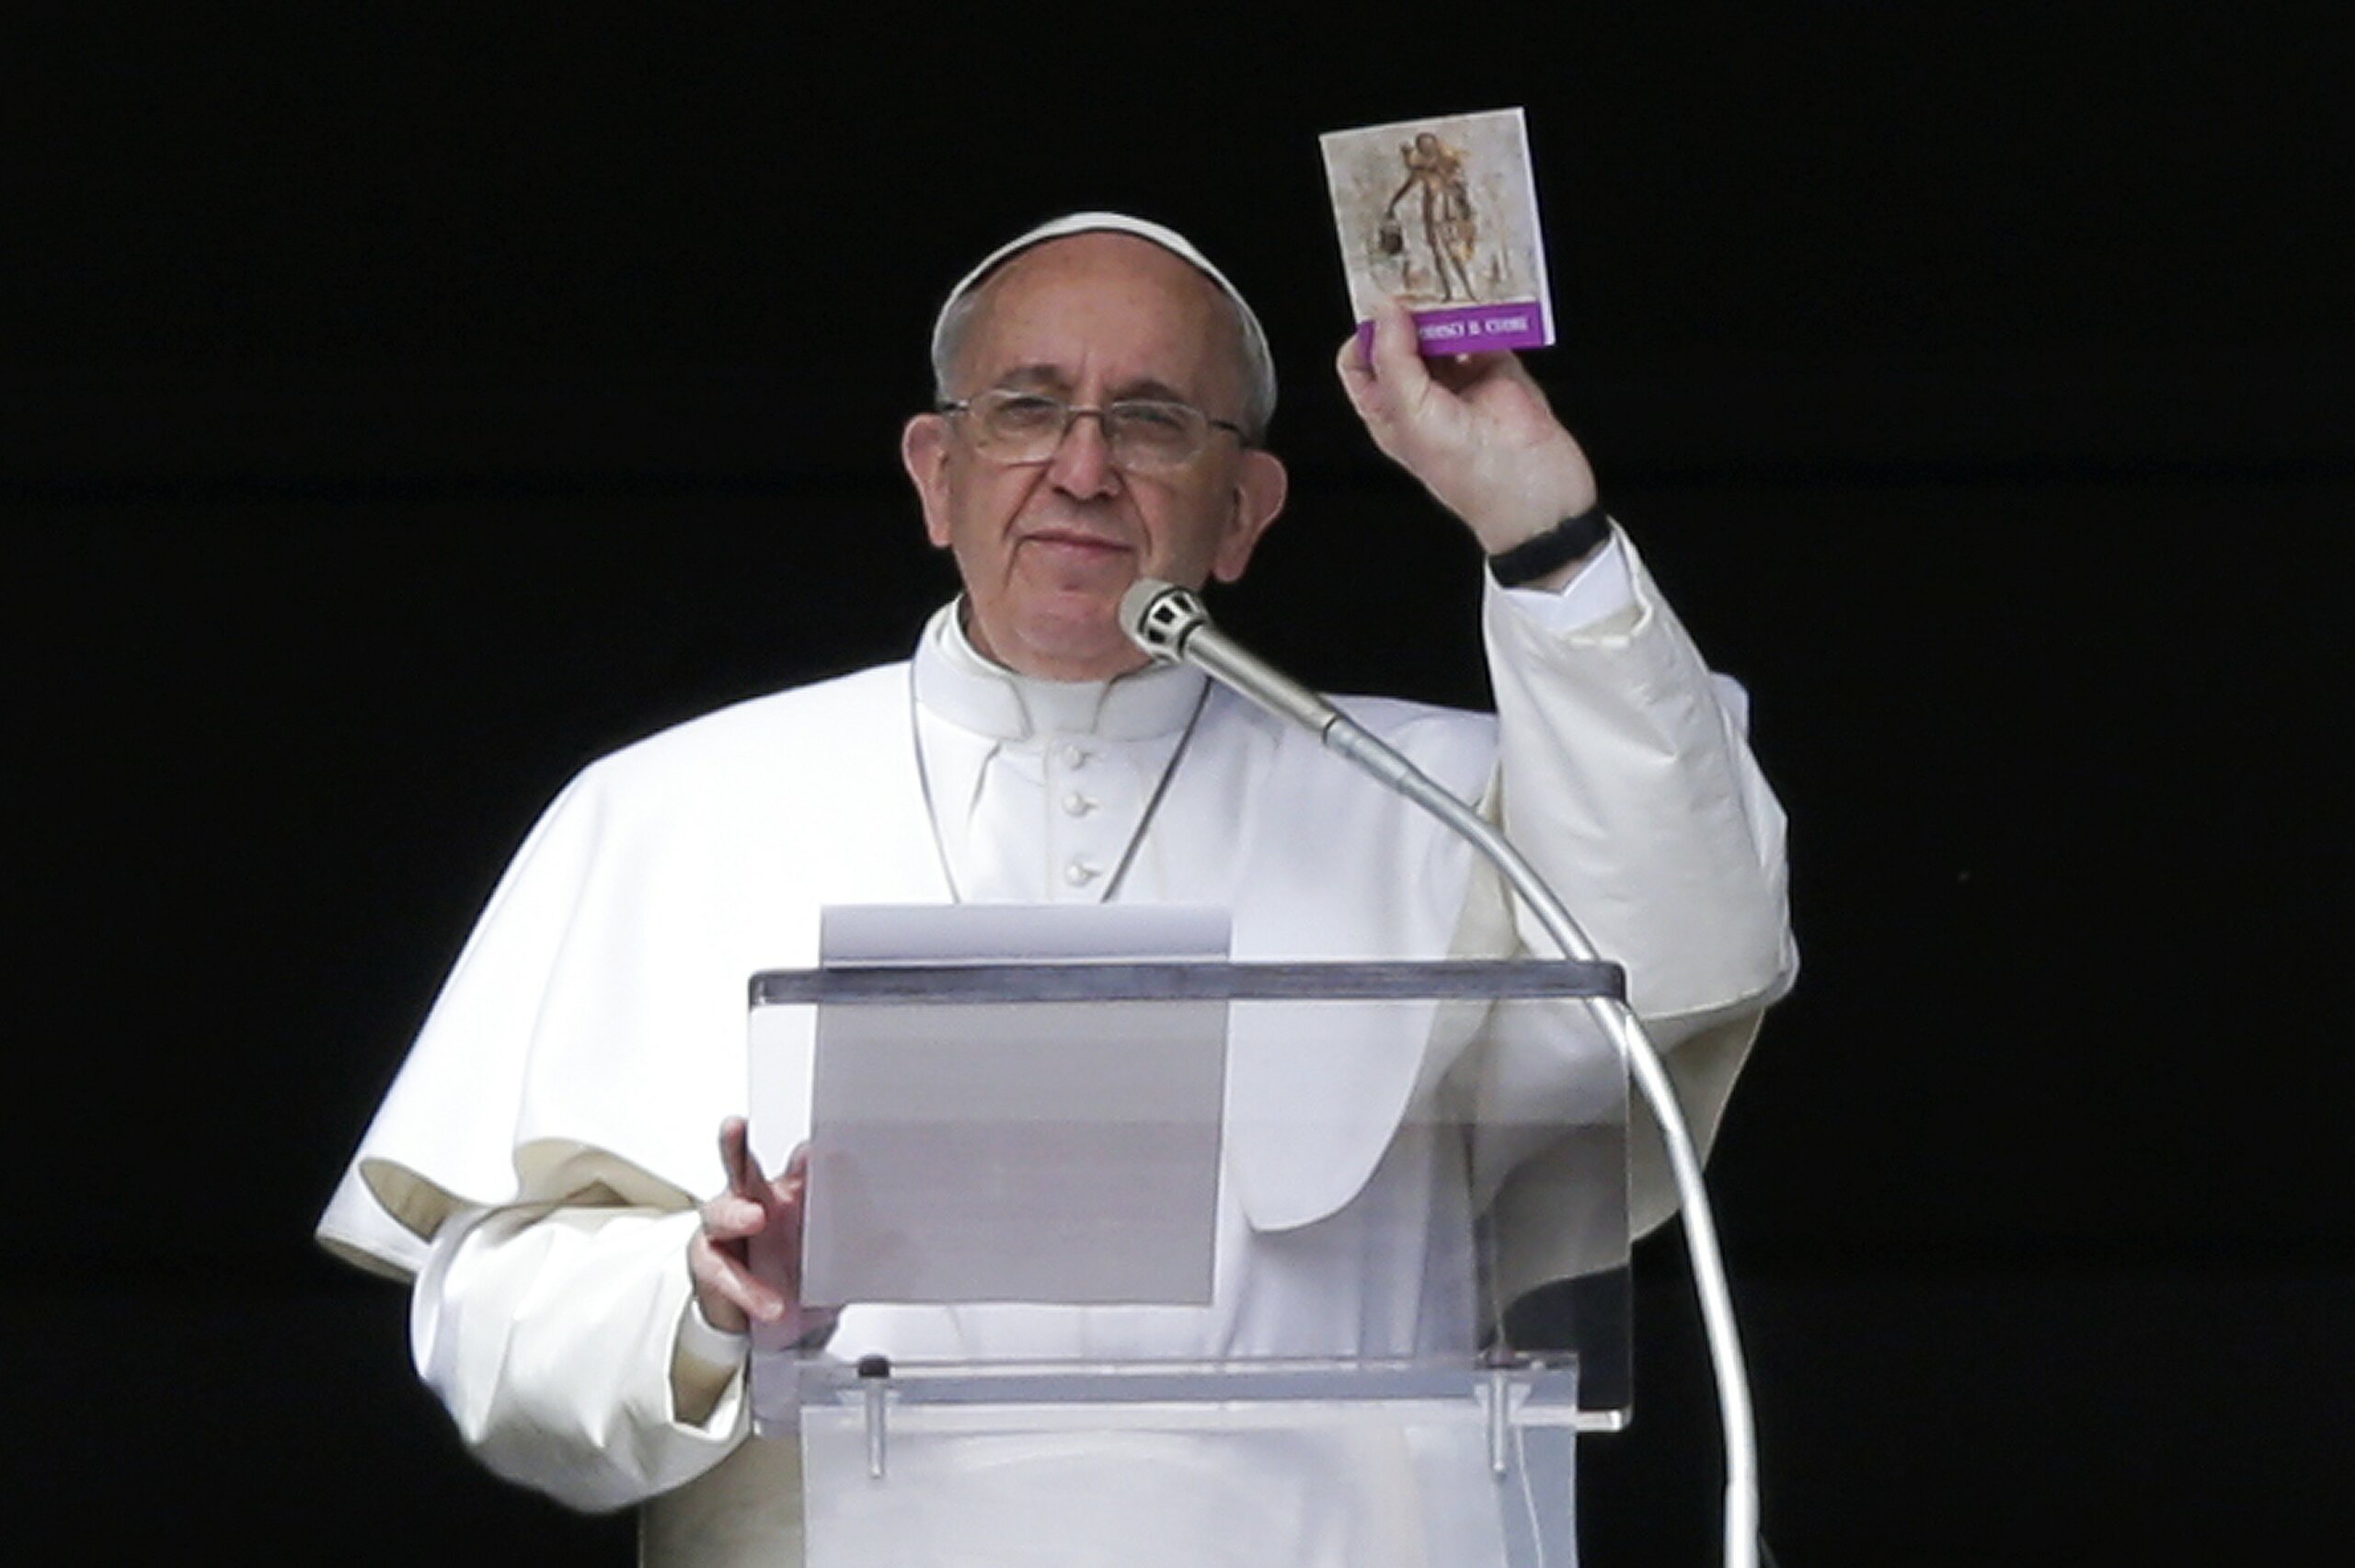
(1082,466)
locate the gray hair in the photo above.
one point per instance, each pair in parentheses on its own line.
(964,303)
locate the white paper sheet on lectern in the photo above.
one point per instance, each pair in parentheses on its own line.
(1035,1152)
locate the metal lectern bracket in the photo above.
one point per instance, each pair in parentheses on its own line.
(1500,1425)
(875,1388)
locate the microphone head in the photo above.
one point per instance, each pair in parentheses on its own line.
(1159,616)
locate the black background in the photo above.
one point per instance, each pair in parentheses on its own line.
(399,408)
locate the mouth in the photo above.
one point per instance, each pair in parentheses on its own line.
(1077,544)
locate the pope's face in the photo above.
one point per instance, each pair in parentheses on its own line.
(1046,549)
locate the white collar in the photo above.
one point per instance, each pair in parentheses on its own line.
(955,682)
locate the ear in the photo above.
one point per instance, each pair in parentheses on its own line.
(1261,486)
(924,452)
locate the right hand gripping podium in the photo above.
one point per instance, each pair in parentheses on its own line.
(1197,1262)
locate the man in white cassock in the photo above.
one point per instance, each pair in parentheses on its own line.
(543,1167)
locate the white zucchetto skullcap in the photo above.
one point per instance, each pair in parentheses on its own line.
(1255,337)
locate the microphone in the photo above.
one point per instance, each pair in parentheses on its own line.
(1170,623)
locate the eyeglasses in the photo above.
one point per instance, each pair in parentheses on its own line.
(1143,434)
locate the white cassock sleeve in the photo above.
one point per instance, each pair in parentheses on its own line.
(1624,773)
(563,1342)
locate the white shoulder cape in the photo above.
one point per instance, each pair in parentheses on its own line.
(592,1037)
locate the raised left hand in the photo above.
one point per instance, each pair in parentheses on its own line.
(1475,428)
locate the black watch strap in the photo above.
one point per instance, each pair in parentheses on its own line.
(1556,547)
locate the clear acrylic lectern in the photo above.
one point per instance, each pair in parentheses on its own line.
(1147,1262)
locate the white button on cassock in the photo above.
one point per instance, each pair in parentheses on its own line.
(1079,873)
(1077,805)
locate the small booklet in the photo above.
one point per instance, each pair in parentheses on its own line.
(1442,213)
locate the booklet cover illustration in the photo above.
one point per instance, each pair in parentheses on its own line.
(1442,213)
